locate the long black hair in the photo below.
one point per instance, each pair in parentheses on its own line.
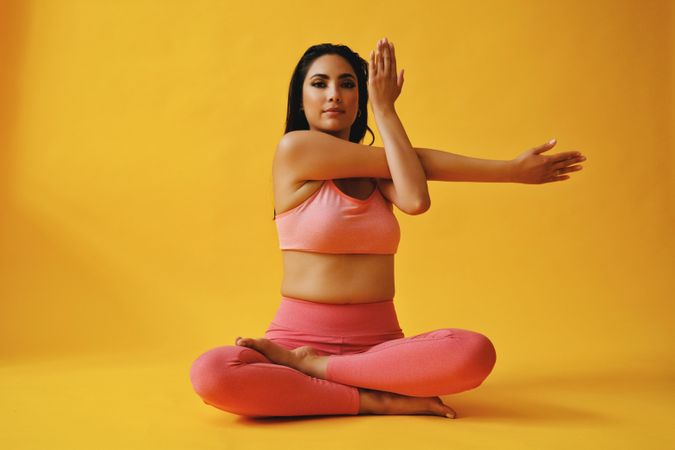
(295,117)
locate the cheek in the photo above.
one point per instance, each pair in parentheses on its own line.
(312,96)
(354,99)
(313,105)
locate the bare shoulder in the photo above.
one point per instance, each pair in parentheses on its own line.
(289,190)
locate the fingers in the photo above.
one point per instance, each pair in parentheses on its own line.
(373,66)
(559,163)
(567,155)
(384,59)
(387,57)
(559,170)
(563,170)
(544,147)
(379,57)
(394,72)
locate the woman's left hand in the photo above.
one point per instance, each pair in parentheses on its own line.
(531,167)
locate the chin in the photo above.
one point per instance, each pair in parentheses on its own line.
(332,127)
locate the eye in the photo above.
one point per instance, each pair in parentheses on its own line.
(348,84)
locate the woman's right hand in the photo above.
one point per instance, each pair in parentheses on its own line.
(384,84)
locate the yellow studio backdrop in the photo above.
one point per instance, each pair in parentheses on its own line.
(136,225)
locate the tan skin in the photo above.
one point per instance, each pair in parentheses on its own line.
(325,277)
(337,278)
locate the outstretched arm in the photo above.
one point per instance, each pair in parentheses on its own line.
(445,166)
(529,167)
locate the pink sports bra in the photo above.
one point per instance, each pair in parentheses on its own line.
(330,221)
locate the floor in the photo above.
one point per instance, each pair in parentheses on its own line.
(123,402)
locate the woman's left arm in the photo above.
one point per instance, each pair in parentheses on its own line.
(529,167)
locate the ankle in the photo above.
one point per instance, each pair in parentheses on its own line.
(312,365)
(368,401)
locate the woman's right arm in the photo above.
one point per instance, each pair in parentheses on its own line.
(407,173)
(314,155)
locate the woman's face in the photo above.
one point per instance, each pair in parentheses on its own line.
(331,83)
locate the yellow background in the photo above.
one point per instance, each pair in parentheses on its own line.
(136,223)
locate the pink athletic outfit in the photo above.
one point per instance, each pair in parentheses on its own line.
(364,341)
(330,221)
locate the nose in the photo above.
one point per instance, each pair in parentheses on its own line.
(335,95)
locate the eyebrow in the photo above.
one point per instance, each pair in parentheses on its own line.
(323,75)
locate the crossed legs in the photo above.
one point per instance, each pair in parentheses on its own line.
(266,379)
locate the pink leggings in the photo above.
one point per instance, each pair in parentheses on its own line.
(366,349)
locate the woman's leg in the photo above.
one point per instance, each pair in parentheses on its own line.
(439,362)
(243,381)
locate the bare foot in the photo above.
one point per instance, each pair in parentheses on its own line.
(382,402)
(305,359)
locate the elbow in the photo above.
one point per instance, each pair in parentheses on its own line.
(421,207)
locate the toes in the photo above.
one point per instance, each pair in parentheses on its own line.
(262,345)
(449,412)
(270,349)
(445,409)
(243,342)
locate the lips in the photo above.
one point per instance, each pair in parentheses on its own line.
(334,110)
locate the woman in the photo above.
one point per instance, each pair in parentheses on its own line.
(335,345)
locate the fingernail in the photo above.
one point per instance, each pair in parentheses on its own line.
(551,141)
(449,416)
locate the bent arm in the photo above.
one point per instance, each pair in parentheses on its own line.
(445,166)
(407,173)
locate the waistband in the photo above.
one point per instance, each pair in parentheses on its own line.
(329,319)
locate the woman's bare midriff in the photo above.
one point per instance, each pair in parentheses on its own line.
(337,278)
(329,277)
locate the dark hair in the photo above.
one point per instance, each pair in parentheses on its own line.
(296,119)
